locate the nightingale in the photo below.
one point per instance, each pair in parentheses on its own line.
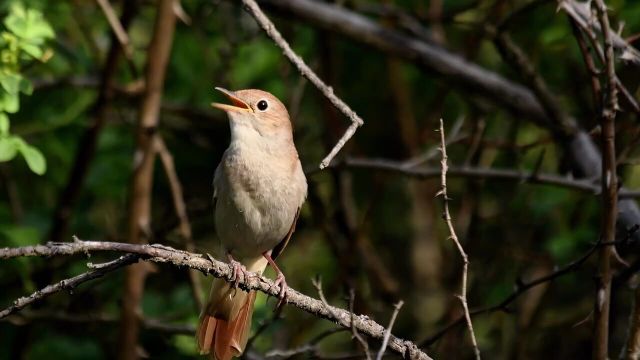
(259,187)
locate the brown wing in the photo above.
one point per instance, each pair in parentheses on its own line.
(280,247)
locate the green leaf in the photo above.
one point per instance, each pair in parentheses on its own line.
(28,24)
(31,49)
(36,161)
(4,124)
(11,82)
(8,148)
(9,102)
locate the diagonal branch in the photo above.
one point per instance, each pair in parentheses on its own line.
(297,61)
(69,284)
(207,265)
(452,235)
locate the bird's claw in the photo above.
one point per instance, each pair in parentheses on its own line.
(282,295)
(237,269)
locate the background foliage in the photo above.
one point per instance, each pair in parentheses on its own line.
(378,233)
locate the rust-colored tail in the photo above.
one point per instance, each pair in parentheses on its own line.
(224,339)
(225,321)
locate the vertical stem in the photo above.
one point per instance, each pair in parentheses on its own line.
(142,182)
(609,195)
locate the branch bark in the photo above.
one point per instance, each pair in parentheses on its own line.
(609,193)
(523,176)
(297,61)
(142,182)
(446,215)
(206,264)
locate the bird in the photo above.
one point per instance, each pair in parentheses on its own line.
(259,188)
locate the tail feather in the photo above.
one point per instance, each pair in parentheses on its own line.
(223,339)
(225,322)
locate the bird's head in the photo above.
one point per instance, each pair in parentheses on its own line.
(256,111)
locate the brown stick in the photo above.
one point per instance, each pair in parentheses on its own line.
(609,194)
(117,27)
(297,61)
(181,212)
(142,182)
(452,235)
(206,264)
(523,176)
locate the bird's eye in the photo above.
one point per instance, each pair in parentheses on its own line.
(263,105)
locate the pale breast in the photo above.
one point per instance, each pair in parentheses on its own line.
(257,199)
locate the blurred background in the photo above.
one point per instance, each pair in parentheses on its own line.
(79,102)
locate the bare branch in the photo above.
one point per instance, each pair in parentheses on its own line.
(609,193)
(387,333)
(116,26)
(181,212)
(26,316)
(452,235)
(139,217)
(297,61)
(530,177)
(183,259)
(69,284)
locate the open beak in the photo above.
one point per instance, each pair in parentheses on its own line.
(237,104)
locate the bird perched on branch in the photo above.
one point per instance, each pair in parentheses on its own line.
(259,187)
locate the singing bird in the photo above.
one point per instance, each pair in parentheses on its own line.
(259,187)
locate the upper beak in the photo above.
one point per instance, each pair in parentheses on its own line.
(237,104)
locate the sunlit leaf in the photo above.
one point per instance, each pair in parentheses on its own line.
(34,158)
(8,148)
(4,124)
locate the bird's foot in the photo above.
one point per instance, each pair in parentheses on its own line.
(282,295)
(237,270)
(280,281)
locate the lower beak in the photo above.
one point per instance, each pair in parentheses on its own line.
(237,104)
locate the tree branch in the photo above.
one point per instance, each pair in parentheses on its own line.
(69,284)
(523,176)
(297,61)
(452,235)
(609,193)
(207,265)
(142,182)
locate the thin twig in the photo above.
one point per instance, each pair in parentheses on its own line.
(69,284)
(387,333)
(297,61)
(25,317)
(452,235)
(181,212)
(523,176)
(184,259)
(116,26)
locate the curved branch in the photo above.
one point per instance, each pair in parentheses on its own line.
(208,265)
